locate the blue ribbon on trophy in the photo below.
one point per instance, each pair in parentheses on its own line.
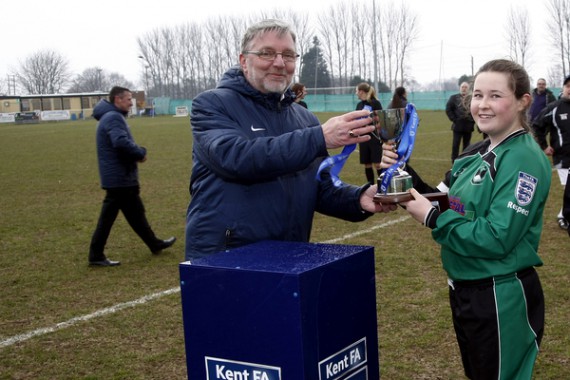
(404,139)
(336,162)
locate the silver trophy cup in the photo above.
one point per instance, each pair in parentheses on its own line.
(389,126)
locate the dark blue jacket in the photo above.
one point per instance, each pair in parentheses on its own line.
(539,101)
(117,151)
(255,157)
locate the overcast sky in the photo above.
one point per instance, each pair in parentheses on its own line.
(103,33)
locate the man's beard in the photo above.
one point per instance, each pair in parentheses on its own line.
(267,86)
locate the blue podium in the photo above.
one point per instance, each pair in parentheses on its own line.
(281,310)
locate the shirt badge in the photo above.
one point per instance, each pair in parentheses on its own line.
(480,174)
(526,186)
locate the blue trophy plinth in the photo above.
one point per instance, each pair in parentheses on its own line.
(281,310)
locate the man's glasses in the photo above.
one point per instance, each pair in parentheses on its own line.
(270,54)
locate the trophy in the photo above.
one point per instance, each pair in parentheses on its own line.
(399,126)
(394,182)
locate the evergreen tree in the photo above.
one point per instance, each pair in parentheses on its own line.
(315,72)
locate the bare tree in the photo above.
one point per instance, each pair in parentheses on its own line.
(334,32)
(518,34)
(43,72)
(407,34)
(3,87)
(325,21)
(150,46)
(559,29)
(185,60)
(361,33)
(95,79)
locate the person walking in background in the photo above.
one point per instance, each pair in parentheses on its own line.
(399,99)
(461,119)
(300,92)
(256,157)
(371,150)
(118,155)
(490,235)
(541,96)
(554,120)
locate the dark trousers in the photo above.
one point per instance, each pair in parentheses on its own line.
(457,138)
(127,200)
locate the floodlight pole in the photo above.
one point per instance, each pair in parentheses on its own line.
(146,66)
(99,84)
(374,48)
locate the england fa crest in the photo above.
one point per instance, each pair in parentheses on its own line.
(526,186)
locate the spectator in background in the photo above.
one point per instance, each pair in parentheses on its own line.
(554,120)
(371,150)
(399,99)
(461,119)
(300,91)
(118,155)
(256,157)
(541,96)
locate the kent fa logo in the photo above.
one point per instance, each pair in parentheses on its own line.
(526,186)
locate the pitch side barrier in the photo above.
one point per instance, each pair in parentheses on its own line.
(423,100)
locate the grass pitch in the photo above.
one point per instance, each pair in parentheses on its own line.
(50,200)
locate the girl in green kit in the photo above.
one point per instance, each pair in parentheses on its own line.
(489,237)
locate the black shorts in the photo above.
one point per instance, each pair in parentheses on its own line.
(370,151)
(499,323)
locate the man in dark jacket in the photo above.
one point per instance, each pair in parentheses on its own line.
(554,120)
(462,122)
(541,96)
(256,154)
(118,155)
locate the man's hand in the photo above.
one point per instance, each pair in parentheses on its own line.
(367,201)
(350,128)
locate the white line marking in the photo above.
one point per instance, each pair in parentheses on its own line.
(73,321)
(113,309)
(358,233)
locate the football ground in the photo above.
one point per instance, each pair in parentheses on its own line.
(60,319)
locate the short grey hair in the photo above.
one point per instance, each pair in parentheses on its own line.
(264,26)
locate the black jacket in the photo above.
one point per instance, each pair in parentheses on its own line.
(459,116)
(555,120)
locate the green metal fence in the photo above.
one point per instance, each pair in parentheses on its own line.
(428,100)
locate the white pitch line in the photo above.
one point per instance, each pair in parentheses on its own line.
(113,309)
(358,233)
(99,313)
